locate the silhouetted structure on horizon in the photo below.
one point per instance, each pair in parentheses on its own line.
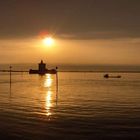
(42,69)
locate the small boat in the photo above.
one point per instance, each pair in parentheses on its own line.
(108,76)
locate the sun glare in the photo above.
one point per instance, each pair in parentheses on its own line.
(48,41)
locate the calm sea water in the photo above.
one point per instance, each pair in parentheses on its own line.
(86,106)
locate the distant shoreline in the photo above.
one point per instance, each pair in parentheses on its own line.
(89,71)
(102,71)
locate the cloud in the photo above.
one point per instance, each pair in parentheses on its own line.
(98,35)
(76,19)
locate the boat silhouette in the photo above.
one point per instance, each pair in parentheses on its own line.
(108,76)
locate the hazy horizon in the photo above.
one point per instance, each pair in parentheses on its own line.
(69,64)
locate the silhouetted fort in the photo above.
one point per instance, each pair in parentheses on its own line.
(42,69)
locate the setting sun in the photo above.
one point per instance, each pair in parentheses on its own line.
(48,41)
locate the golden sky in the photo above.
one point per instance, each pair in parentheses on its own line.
(84,31)
(64,51)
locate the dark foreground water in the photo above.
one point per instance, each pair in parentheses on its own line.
(86,106)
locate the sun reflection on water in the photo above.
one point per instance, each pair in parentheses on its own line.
(48,81)
(48,96)
(48,103)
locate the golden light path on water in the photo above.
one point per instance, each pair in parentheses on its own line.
(48,97)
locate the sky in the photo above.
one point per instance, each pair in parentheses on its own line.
(84,31)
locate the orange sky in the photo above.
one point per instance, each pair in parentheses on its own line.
(85,31)
(107,51)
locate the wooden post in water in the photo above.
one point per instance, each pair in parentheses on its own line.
(56,85)
(10,74)
(10,78)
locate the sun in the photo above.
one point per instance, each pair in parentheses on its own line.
(48,41)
